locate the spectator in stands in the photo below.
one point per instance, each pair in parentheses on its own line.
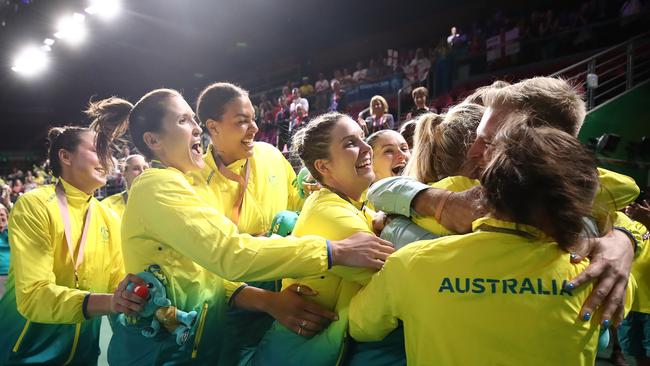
(419,96)
(5,196)
(585,35)
(418,68)
(337,98)
(548,26)
(385,63)
(29,182)
(17,189)
(134,165)
(631,8)
(4,247)
(16,173)
(379,118)
(124,152)
(286,93)
(322,86)
(338,76)
(408,57)
(442,68)
(373,71)
(298,99)
(453,37)
(346,78)
(298,119)
(269,122)
(282,120)
(360,74)
(306,89)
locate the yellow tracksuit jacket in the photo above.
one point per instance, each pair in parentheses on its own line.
(116,203)
(41,313)
(325,214)
(269,189)
(173,222)
(492,297)
(268,192)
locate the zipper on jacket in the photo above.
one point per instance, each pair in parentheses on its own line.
(344,348)
(20,337)
(199,331)
(77,330)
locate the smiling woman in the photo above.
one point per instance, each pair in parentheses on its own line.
(333,148)
(390,153)
(66,261)
(172,220)
(252,182)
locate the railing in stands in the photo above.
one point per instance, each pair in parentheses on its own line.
(611,72)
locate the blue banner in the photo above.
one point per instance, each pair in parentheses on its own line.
(365,91)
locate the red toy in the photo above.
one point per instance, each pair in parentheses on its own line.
(141,291)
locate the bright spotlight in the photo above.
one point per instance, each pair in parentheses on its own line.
(71,28)
(30,61)
(78,18)
(104,8)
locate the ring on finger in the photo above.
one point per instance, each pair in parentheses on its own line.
(298,289)
(303,324)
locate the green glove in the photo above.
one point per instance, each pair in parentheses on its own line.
(283,223)
(303,177)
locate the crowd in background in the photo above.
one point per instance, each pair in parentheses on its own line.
(540,35)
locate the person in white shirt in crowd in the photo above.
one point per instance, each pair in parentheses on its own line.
(361,73)
(298,99)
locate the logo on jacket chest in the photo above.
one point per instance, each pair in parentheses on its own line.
(272,180)
(105,233)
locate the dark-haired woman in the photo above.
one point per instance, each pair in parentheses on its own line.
(252,182)
(505,284)
(172,221)
(66,262)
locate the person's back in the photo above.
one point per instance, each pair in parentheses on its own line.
(500,295)
(494,296)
